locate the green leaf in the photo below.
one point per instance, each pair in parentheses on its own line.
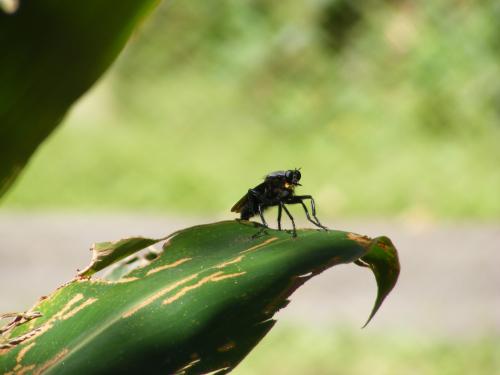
(52,52)
(107,253)
(199,305)
(382,258)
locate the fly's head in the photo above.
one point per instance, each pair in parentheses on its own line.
(292,178)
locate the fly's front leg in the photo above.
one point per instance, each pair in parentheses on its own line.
(313,208)
(294,233)
(299,199)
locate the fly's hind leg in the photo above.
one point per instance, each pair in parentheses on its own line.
(262,231)
(262,215)
(279,217)
(254,205)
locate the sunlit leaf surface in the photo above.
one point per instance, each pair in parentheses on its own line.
(199,303)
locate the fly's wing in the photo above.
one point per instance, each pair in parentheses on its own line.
(240,204)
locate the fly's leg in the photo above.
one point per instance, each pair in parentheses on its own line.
(294,231)
(262,215)
(313,209)
(307,213)
(262,230)
(299,199)
(279,217)
(255,203)
(256,199)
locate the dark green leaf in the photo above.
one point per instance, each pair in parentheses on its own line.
(201,305)
(382,258)
(106,253)
(52,52)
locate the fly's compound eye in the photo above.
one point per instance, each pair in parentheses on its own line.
(297,175)
(289,175)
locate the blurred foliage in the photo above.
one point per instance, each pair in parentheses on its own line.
(347,352)
(51,57)
(389,108)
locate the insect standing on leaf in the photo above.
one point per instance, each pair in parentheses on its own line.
(278,189)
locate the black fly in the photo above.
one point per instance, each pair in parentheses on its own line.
(278,189)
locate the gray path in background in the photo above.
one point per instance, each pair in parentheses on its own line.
(449,284)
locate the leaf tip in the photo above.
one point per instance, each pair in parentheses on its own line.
(382,258)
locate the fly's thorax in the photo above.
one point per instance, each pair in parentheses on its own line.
(284,192)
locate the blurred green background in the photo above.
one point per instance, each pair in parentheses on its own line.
(391,108)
